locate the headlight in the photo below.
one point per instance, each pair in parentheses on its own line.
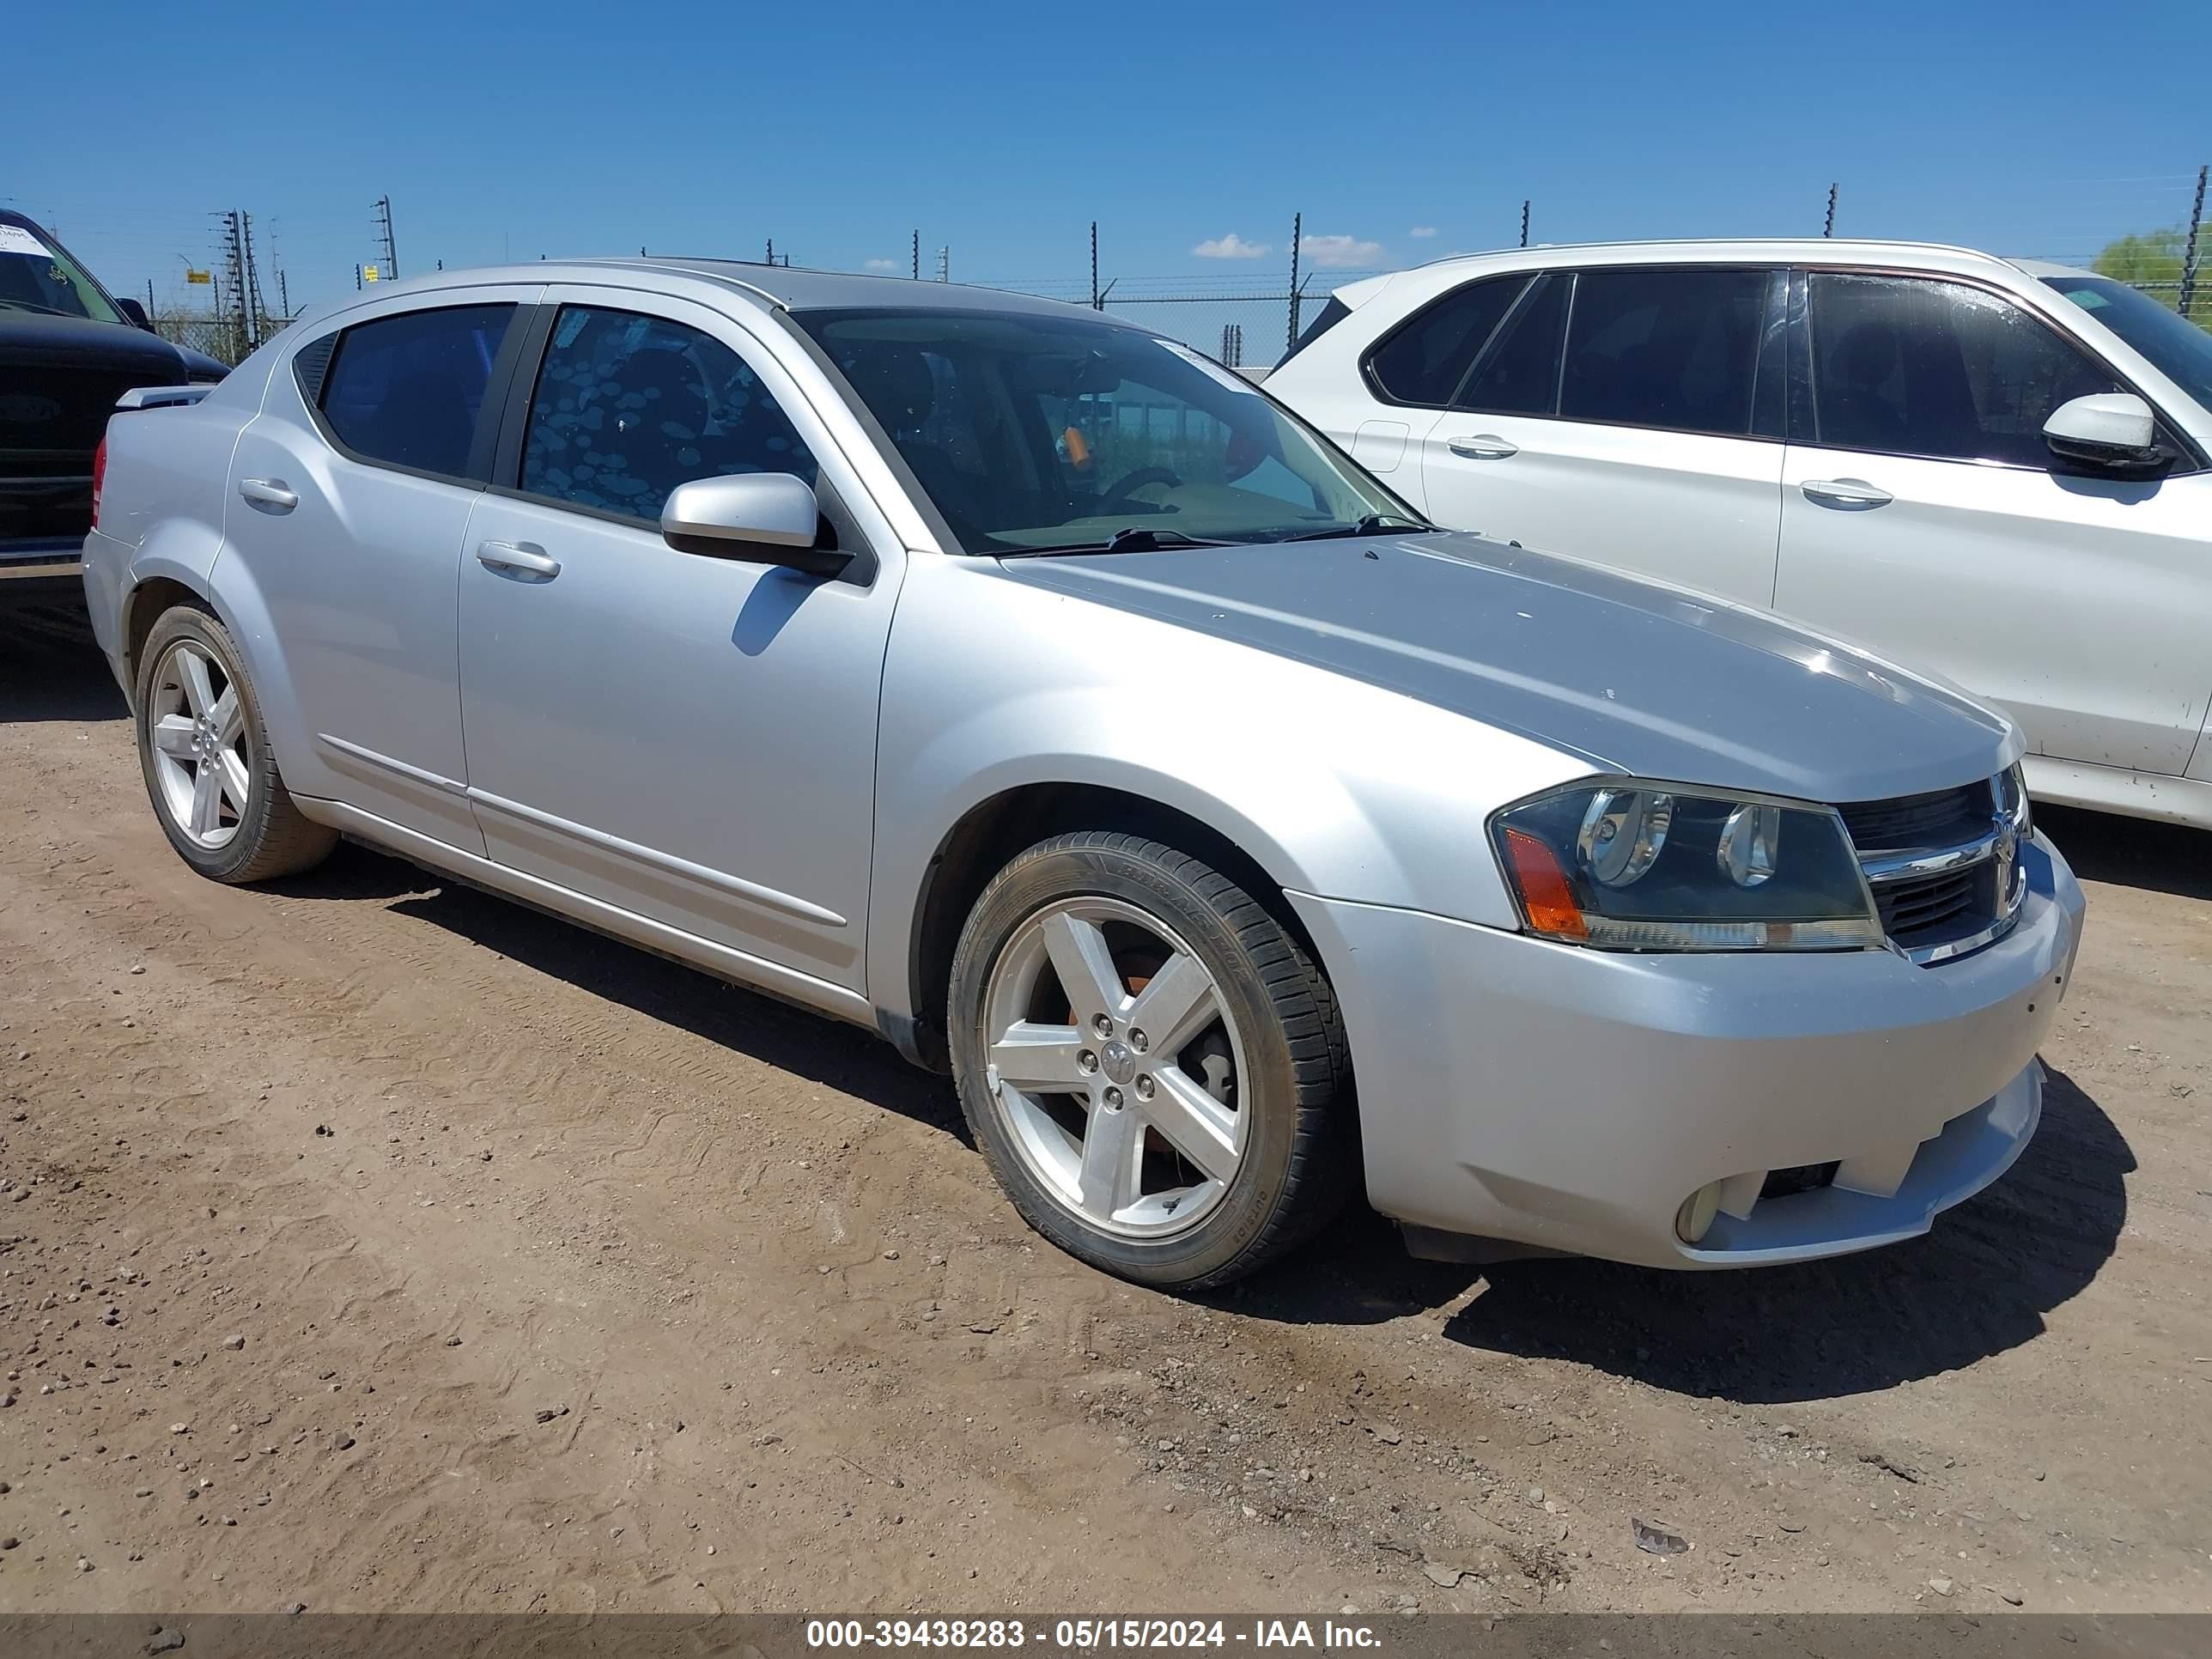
(1632,865)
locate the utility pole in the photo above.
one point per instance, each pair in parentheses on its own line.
(917,256)
(945,263)
(771,250)
(1095,304)
(258,308)
(234,260)
(1829,229)
(284,295)
(2189,257)
(1297,235)
(391,271)
(356,279)
(1524,221)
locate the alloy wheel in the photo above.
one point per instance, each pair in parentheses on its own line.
(1115,1062)
(196,726)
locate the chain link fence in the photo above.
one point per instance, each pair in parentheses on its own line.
(226,339)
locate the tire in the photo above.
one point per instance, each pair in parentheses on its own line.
(1233,1141)
(204,722)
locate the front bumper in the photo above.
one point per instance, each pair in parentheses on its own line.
(1572,1099)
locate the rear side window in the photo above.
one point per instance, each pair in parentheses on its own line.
(1518,371)
(1673,349)
(1426,358)
(408,390)
(628,406)
(1910,366)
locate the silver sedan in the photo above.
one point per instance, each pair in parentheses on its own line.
(1031,689)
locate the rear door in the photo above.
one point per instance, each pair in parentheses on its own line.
(351,491)
(1924,513)
(1627,415)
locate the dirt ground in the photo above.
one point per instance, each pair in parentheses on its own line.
(369,1243)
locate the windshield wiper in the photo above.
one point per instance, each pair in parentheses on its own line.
(1372,524)
(1135,538)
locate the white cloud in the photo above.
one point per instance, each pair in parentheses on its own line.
(1340,252)
(1233,247)
(1422,233)
(882,265)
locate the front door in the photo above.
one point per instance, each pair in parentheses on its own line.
(1622,416)
(1924,513)
(690,738)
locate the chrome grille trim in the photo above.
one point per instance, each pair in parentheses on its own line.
(1924,889)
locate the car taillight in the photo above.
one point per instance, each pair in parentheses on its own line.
(99,477)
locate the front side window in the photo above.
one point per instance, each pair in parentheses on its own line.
(1911,366)
(408,390)
(1425,358)
(1673,349)
(628,406)
(1031,431)
(2179,348)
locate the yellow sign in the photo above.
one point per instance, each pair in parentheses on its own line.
(200,276)
(369,273)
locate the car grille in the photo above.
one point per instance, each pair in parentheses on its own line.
(1932,913)
(1943,818)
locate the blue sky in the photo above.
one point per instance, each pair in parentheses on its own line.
(588,126)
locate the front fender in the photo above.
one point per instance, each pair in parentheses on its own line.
(1331,787)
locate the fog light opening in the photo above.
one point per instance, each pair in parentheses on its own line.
(1695,1219)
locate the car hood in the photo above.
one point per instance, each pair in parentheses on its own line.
(1632,676)
(27,336)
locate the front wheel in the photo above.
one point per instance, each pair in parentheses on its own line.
(1152,1063)
(205,754)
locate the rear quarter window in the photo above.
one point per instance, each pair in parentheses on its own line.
(408,390)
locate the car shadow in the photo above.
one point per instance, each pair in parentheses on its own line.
(1983,1281)
(2161,858)
(796,1040)
(50,667)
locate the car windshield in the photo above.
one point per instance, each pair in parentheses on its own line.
(36,276)
(1034,434)
(2177,347)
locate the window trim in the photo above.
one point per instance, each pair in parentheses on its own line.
(1374,347)
(2190,458)
(481,442)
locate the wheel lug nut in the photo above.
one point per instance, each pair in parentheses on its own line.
(1086,1062)
(1137,1039)
(1145,1086)
(1113,1098)
(1102,1025)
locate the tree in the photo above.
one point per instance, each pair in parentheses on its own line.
(2155,257)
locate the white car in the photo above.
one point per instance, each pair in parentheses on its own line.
(1996,470)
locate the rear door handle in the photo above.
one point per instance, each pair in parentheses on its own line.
(519,558)
(1853,493)
(1483,446)
(269,492)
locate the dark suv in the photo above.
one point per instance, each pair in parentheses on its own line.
(68,349)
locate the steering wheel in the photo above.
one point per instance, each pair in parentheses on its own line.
(1131,483)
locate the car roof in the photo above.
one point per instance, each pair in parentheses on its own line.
(784,287)
(1808,250)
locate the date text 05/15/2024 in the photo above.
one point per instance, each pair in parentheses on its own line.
(1089,1635)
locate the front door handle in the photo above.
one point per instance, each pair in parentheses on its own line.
(524,559)
(1483,446)
(1855,495)
(270,493)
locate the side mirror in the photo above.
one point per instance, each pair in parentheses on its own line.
(771,518)
(2108,429)
(134,314)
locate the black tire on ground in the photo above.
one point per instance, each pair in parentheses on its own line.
(1300,1162)
(273,837)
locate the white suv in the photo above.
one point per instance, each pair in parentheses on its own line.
(1997,470)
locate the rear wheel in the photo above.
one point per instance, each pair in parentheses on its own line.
(205,754)
(1152,1064)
